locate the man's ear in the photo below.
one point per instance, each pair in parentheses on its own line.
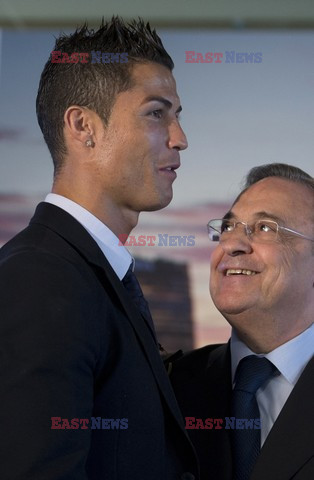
(80,124)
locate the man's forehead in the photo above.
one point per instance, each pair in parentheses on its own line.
(279,197)
(275,187)
(152,77)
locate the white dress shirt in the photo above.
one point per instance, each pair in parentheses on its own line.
(290,359)
(116,254)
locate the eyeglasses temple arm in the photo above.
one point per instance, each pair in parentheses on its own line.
(296,233)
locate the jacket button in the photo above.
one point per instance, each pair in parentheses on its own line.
(187,476)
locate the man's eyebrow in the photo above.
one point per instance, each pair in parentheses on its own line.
(164,101)
(272,216)
(258,215)
(228,215)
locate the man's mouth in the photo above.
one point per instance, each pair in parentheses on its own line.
(171,168)
(239,271)
(169,171)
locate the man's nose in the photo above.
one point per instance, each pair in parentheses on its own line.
(177,138)
(237,242)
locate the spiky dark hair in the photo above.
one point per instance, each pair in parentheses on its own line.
(92,85)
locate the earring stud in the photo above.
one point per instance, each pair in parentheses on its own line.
(89,143)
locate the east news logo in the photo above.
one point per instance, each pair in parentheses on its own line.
(85,57)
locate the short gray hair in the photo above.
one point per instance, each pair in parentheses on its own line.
(281,170)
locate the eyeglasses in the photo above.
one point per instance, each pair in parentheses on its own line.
(262,231)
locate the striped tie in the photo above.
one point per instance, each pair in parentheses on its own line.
(251,374)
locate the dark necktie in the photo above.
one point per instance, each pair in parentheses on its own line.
(133,287)
(251,374)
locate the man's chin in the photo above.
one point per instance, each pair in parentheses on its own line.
(232,311)
(158,205)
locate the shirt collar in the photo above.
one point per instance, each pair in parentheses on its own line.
(290,358)
(115,252)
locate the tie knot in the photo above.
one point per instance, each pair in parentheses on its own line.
(131,283)
(252,373)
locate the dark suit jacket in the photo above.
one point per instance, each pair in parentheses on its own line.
(73,345)
(202,384)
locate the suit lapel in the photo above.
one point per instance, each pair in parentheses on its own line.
(72,232)
(289,444)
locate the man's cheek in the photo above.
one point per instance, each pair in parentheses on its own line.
(215,258)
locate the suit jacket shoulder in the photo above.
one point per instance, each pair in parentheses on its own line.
(202,383)
(73,345)
(288,452)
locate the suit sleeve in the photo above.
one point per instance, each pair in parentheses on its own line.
(49,346)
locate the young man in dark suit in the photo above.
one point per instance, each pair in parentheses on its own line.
(248,405)
(84,393)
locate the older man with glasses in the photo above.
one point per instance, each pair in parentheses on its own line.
(248,404)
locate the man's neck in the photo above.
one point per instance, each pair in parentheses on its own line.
(121,221)
(266,342)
